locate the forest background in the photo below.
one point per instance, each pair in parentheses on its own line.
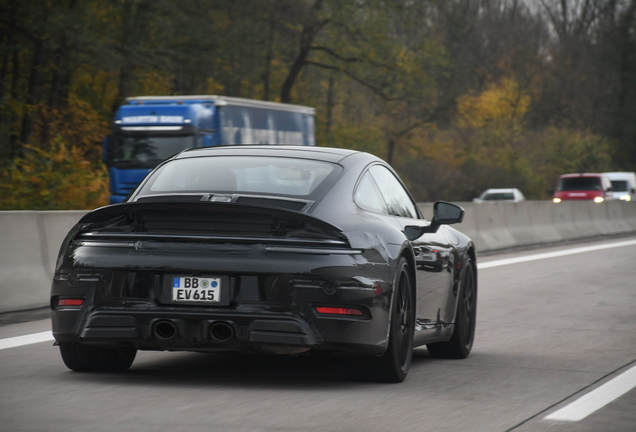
(458,95)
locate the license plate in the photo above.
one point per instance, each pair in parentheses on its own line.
(196,289)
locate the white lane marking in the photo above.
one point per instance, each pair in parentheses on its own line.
(596,399)
(546,255)
(26,340)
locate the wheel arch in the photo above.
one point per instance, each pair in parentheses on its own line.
(472,255)
(469,255)
(408,254)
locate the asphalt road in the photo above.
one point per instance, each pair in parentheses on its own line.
(549,331)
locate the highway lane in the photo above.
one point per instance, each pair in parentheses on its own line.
(548,332)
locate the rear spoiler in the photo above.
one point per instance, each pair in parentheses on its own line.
(135,211)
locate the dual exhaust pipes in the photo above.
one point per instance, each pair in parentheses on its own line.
(219,331)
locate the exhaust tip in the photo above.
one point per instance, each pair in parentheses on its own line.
(164,330)
(221,331)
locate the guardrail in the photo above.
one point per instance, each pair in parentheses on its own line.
(30,240)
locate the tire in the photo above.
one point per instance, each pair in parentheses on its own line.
(461,342)
(82,358)
(394,364)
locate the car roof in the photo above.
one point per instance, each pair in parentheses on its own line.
(619,175)
(583,175)
(328,154)
(501,190)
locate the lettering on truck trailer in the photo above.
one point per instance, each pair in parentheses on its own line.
(152,119)
(261,136)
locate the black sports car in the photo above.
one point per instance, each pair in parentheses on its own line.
(273,249)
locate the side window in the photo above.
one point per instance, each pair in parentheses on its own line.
(368,196)
(397,199)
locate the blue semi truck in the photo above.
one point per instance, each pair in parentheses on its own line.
(149,129)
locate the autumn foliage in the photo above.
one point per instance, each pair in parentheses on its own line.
(458,95)
(54,179)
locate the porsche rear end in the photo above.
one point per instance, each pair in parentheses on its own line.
(217,277)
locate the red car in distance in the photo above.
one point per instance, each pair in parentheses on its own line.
(587,186)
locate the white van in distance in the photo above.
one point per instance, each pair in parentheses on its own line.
(623,185)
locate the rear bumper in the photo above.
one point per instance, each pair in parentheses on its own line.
(194,331)
(274,313)
(270,298)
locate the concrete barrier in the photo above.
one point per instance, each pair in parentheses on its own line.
(22,261)
(541,219)
(565,221)
(584,220)
(519,223)
(30,240)
(492,226)
(495,226)
(620,216)
(29,243)
(626,214)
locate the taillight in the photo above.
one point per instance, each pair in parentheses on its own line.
(377,288)
(70,302)
(339,311)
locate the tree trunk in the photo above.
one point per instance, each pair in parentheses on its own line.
(33,93)
(330,102)
(269,55)
(126,70)
(389,157)
(61,81)
(5,65)
(7,52)
(14,147)
(310,30)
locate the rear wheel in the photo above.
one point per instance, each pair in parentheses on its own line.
(394,364)
(81,358)
(461,342)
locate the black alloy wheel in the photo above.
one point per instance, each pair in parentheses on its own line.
(394,364)
(469,309)
(403,338)
(461,342)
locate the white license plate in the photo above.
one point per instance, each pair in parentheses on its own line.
(196,289)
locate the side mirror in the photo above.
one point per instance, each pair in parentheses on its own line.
(609,189)
(447,213)
(444,213)
(633,191)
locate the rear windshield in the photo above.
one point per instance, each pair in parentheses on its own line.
(580,183)
(239,174)
(619,185)
(498,196)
